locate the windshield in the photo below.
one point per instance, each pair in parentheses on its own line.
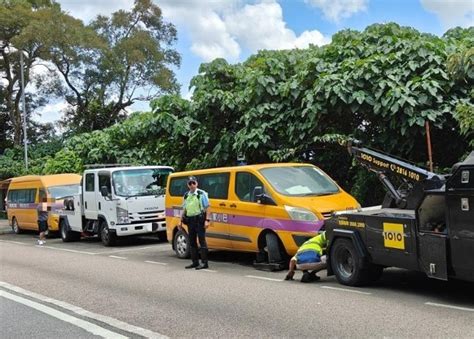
(64,190)
(299,181)
(137,182)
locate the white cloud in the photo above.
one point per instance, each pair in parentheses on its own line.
(86,10)
(335,10)
(452,12)
(52,111)
(223,28)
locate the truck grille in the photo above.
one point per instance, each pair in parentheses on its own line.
(327,215)
(146,217)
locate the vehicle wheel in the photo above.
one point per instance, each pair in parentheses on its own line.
(66,234)
(273,247)
(108,238)
(181,245)
(346,262)
(15,227)
(162,236)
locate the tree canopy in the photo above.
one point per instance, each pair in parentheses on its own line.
(99,69)
(380,86)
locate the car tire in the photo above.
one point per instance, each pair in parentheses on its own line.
(181,245)
(346,264)
(66,234)
(273,248)
(15,227)
(107,237)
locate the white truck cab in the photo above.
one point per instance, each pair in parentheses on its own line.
(117,201)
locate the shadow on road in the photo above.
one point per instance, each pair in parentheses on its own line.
(409,282)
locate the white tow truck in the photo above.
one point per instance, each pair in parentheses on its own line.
(115,202)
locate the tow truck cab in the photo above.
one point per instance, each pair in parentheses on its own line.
(435,237)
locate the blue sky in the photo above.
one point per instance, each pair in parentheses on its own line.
(235,29)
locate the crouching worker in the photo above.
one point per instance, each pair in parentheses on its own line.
(309,259)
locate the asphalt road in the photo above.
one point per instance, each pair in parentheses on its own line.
(140,289)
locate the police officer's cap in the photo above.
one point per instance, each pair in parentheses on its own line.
(192,179)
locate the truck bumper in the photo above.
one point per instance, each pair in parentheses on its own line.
(133,229)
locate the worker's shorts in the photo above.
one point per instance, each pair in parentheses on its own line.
(309,260)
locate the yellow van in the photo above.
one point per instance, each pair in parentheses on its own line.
(269,209)
(24,194)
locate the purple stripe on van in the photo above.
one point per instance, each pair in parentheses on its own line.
(261,222)
(33,205)
(22,205)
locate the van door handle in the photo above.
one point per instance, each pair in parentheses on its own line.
(222,204)
(99,204)
(233,205)
(85,204)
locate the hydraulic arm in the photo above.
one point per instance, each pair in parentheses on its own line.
(385,166)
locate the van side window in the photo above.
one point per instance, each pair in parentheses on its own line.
(12,196)
(104,180)
(178,186)
(216,185)
(25,196)
(90,182)
(244,185)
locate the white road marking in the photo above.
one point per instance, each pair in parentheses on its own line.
(451,306)
(345,289)
(156,262)
(125,250)
(208,270)
(115,257)
(14,242)
(65,249)
(263,278)
(88,326)
(78,310)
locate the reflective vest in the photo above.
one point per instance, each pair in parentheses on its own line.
(317,244)
(192,204)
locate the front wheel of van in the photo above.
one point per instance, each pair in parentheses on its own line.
(15,227)
(273,248)
(181,245)
(108,238)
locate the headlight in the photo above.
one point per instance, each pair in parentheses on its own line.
(122,216)
(300,214)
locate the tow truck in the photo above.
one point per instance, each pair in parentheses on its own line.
(426,224)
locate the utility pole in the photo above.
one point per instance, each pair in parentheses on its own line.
(25,137)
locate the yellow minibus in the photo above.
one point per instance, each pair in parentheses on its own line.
(24,194)
(269,209)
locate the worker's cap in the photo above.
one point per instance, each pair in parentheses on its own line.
(192,180)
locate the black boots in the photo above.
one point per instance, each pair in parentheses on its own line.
(204,256)
(195,259)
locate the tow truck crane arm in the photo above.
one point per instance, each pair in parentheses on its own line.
(384,165)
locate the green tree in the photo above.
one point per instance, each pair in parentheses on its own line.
(16,17)
(128,60)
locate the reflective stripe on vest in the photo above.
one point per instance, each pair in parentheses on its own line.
(317,243)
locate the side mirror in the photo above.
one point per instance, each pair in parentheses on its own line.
(258,195)
(104,191)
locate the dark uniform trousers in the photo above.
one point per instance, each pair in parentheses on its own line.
(196,230)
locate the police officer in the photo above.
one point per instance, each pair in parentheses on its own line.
(196,216)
